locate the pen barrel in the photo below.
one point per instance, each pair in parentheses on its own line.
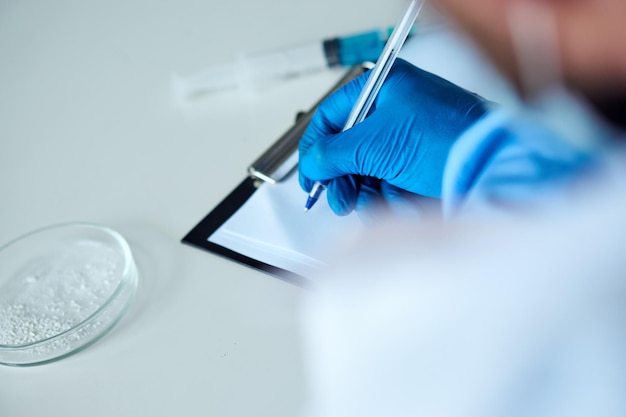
(383,65)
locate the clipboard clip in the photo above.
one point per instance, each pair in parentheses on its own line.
(282,157)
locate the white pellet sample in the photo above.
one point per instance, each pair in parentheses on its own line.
(57,291)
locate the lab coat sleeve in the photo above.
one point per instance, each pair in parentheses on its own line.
(508,162)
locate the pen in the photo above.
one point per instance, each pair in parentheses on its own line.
(375,81)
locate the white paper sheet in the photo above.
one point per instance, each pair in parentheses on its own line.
(272,227)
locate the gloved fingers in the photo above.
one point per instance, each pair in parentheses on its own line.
(350,192)
(405,204)
(362,149)
(337,155)
(342,194)
(305,183)
(375,199)
(370,205)
(329,118)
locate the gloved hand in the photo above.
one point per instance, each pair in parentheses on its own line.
(398,151)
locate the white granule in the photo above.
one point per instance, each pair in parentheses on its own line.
(57,291)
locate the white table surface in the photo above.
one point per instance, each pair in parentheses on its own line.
(89,132)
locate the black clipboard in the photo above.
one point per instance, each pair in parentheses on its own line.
(272,166)
(200,234)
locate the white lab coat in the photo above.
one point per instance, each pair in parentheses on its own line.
(522,314)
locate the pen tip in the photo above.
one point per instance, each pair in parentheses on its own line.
(306,209)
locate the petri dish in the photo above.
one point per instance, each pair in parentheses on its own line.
(61,289)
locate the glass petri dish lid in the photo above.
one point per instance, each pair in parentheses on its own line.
(61,289)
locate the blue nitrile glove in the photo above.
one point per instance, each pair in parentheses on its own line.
(398,151)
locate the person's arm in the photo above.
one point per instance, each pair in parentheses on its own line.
(429,137)
(517,159)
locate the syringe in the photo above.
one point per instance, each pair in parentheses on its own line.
(252,71)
